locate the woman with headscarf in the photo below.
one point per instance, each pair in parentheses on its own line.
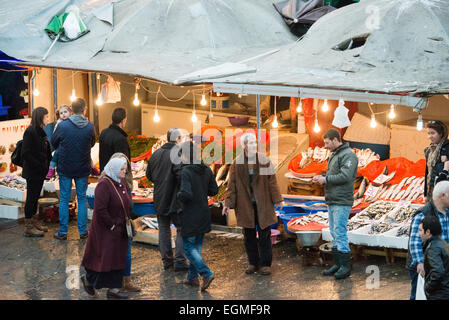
(129,186)
(436,155)
(107,246)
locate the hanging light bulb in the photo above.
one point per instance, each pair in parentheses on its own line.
(36,91)
(73,96)
(136,101)
(325,107)
(392,114)
(275,123)
(203,100)
(156,117)
(99,101)
(194,117)
(373,122)
(299,107)
(419,123)
(211,115)
(316,128)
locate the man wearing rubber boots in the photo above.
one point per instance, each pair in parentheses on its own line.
(339,189)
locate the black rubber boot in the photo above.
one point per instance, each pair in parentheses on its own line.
(345,266)
(336,266)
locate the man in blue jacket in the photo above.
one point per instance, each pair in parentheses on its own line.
(74,139)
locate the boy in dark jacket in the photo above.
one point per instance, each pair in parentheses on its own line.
(197,183)
(436,259)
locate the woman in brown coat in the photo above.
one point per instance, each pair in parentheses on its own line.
(107,245)
(253,192)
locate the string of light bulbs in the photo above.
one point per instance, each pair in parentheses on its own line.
(275,123)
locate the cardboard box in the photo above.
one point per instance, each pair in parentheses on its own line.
(148,235)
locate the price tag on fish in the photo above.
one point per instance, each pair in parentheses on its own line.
(384,178)
(371,191)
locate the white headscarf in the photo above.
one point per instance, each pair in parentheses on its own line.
(112,169)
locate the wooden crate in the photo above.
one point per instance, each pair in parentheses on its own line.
(150,236)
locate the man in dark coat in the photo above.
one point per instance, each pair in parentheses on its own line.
(197,183)
(74,138)
(114,139)
(436,259)
(161,171)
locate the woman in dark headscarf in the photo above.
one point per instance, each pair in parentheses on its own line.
(436,155)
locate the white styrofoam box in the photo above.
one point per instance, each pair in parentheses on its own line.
(12,194)
(390,240)
(51,186)
(326,234)
(361,237)
(9,212)
(91,189)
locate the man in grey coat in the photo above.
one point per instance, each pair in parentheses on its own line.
(339,190)
(162,171)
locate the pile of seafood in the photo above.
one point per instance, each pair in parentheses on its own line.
(404,230)
(380,227)
(375,211)
(143,192)
(321,217)
(409,189)
(356,224)
(401,214)
(319,155)
(13,182)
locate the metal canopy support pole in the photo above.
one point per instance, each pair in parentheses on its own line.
(286,91)
(258,117)
(55,91)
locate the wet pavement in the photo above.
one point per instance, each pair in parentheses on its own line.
(46,269)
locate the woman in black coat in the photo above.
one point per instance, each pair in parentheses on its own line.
(36,157)
(197,182)
(436,155)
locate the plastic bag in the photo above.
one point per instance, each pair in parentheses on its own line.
(110,91)
(420,294)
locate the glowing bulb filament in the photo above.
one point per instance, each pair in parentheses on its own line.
(73,96)
(194,117)
(325,107)
(275,123)
(211,115)
(36,92)
(392,114)
(299,107)
(373,122)
(419,123)
(203,100)
(136,101)
(316,128)
(99,101)
(156,117)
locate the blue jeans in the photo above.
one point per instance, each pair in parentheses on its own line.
(65,186)
(127,271)
(54,160)
(192,250)
(338,222)
(414,277)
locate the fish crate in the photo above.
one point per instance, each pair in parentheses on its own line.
(150,236)
(300,187)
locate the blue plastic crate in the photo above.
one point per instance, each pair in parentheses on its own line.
(142,209)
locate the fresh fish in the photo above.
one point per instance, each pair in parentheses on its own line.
(399,195)
(362,188)
(212,167)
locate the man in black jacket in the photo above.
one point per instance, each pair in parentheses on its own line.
(114,139)
(161,171)
(436,259)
